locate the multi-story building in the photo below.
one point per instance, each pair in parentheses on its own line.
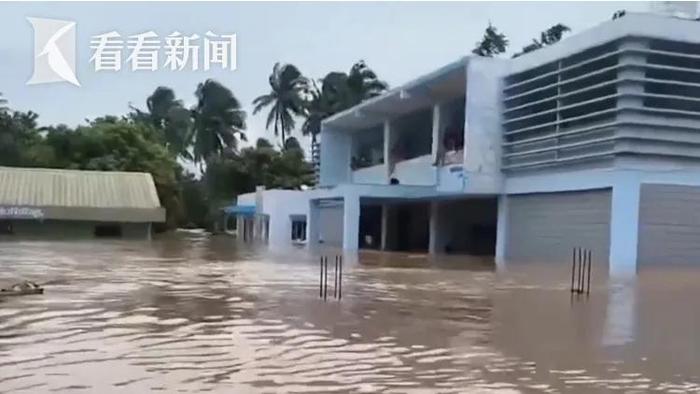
(591,142)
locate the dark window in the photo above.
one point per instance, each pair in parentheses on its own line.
(6,227)
(108,230)
(298,230)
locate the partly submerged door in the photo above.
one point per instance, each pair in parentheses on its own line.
(544,227)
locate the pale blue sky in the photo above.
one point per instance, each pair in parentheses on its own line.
(398,40)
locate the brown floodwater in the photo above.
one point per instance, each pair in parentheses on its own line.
(192,313)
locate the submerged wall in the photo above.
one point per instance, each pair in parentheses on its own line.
(65,229)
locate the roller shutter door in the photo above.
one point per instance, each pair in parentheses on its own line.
(544,227)
(669,224)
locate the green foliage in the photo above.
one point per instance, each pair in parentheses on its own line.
(105,144)
(194,201)
(339,91)
(286,99)
(548,37)
(492,43)
(169,117)
(230,175)
(154,140)
(219,121)
(18,133)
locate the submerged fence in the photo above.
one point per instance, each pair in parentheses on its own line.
(581,271)
(338,278)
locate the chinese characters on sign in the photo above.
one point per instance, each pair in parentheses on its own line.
(175,52)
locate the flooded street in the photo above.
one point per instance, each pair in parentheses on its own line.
(201,314)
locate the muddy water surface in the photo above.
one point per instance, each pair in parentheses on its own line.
(200,314)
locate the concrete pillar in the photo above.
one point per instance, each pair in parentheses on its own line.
(351,222)
(385,225)
(624,227)
(388,143)
(437,138)
(312,228)
(501,232)
(240,226)
(434,240)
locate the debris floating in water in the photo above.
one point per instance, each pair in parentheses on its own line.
(23,288)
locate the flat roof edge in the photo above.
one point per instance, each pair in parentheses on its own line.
(412,84)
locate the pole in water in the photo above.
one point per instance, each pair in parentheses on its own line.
(588,289)
(580,270)
(335,279)
(325,277)
(573,268)
(340,279)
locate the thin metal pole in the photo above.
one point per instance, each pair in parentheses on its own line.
(320,280)
(340,279)
(335,279)
(588,290)
(325,279)
(573,268)
(580,271)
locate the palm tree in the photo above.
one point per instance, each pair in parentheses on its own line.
(493,43)
(339,91)
(285,99)
(218,121)
(364,83)
(168,115)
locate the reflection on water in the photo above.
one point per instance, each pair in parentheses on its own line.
(203,315)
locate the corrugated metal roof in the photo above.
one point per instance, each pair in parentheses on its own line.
(72,188)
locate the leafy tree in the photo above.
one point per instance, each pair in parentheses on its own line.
(492,43)
(285,99)
(194,202)
(18,133)
(218,121)
(548,37)
(3,103)
(338,92)
(232,174)
(293,144)
(106,145)
(169,117)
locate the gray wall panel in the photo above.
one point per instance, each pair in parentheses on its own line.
(330,221)
(669,224)
(544,227)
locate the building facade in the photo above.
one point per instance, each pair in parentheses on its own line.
(592,142)
(53,203)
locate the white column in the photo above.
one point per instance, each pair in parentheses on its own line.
(624,227)
(351,221)
(433,247)
(436,132)
(239,226)
(501,232)
(388,143)
(385,225)
(312,228)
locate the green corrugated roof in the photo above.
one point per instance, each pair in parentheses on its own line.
(73,188)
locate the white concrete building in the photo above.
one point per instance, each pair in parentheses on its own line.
(284,216)
(591,142)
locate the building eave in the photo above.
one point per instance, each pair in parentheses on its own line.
(404,98)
